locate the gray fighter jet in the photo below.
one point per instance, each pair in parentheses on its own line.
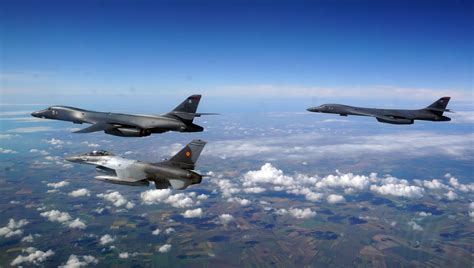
(434,112)
(128,125)
(176,173)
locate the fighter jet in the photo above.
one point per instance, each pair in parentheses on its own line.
(128,125)
(176,173)
(434,112)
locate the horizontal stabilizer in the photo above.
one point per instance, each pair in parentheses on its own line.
(189,116)
(96,127)
(200,114)
(440,110)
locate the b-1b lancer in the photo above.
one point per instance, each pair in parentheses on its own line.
(129,125)
(176,173)
(434,112)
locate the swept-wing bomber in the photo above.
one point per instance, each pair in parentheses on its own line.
(434,112)
(176,173)
(129,125)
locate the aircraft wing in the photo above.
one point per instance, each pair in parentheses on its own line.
(377,115)
(397,120)
(96,127)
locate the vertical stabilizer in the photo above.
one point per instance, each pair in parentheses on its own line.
(439,106)
(187,157)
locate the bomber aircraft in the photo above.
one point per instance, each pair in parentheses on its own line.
(176,173)
(129,125)
(434,112)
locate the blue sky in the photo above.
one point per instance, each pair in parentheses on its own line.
(381,49)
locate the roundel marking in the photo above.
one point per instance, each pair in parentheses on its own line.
(188,154)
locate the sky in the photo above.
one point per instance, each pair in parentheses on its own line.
(318,50)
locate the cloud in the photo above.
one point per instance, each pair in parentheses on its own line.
(424,214)
(192,213)
(399,190)
(227,187)
(319,146)
(123,255)
(434,184)
(57,185)
(165,248)
(7,151)
(64,218)
(465,188)
(30,238)
(54,141)
(93,145)
(31,129)
(334,199)
(7,136)
(415,226)
(180,200)
(157,231)
(202,197)
(34,257)
(374,92)
(297,213)
(80,192)
(117,199)
(56,216)
(241,201)
(225,218)
(13,228)
(42,152)
(471,210)
(254,190)
(76,262)
(13,113)
(169,230)
(77,224)
(451,195)
(106,239)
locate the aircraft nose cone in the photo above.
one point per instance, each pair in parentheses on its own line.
(312,109)
(35,114)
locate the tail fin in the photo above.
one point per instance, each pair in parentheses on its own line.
(189,105)
(439,107)
(187,109)
(187,157)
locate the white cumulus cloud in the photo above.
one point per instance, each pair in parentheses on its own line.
(400,190)
(77,224)
(334,199)
(35,257)
(117,199)
(7,151)
(415,226)
(78,261)
(56,216)
(80,192)
(225,218)
(57,185)
(106,239)
(165,248)
(13,228)
(179,200)
(192,213)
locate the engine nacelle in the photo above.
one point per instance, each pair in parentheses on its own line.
(396,121)
(128,132)
(192,128)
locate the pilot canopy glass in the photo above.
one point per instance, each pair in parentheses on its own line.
(98,153)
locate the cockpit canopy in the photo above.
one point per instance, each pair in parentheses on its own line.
(98,153)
